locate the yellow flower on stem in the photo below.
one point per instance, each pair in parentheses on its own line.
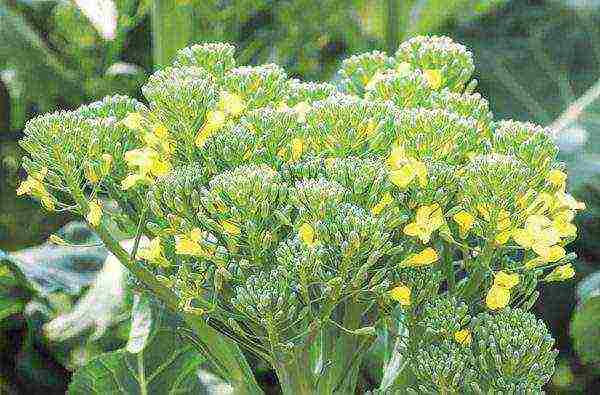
(424,258)
(401,293)
(133,179)
(215,120)
(190,244)
(307,234)
(160,131)
(297,148)
(94,214)
(153,252)
(541,236)
(148,161)
(231,104)
(403,169)
(557,178)
(561,273)
(465,221)
(428,220)
(433,77)
(497,298)
(385,200)
(505,280)
(463,337)
(34,186)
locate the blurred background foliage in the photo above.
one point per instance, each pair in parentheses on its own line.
(536,60)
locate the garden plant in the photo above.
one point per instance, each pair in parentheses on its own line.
(300,223)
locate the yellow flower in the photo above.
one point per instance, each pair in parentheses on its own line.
(214,121)
(385,200)
(505,280)
(297,147)
(153,252)
(107,161)
(566,200)
(557,178)
(307,234)
(190,244)
(561,273)
(133,121)
(405,169)
(465,221)
(230,228)
(282,106)
(433,77)
(401,293)
(231,103)
(541,236)
(160,131)
(423,258)
(34,186)
(497,298)
(463,337)
(95,213)
(561,221)
(147,160)
(301,109)
(132,179)
(428,219)
(90,173)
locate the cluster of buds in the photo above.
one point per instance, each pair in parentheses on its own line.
(282,209)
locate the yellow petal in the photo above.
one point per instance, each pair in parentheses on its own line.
(433,77)
(463,337)
(307,234)
(231,103)
(187,246)
(95,213)
(423,258)
(401,293)
(131,180)
(412,229)
(502,237)
(403,176)
(506,280)
(557,178)
(523,237)
(497,298)
(160,131)
(397,157)
(465,221)
(297,147)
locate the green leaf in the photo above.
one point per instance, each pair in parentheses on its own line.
(167,365)
(430,15)
(585,330)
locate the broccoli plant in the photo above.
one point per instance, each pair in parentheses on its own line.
(300,221)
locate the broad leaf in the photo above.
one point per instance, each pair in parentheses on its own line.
(167,365)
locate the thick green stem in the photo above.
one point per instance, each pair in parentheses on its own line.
(172,29)
(295,378)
